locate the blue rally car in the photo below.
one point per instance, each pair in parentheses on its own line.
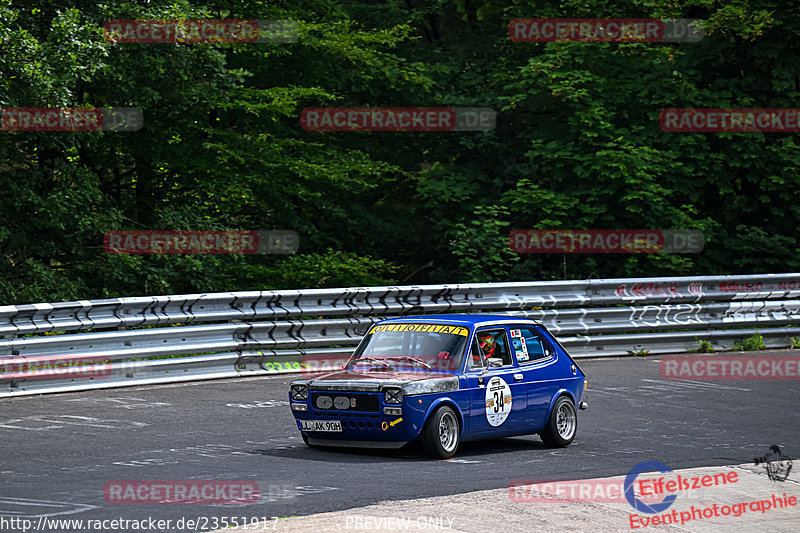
(444,379)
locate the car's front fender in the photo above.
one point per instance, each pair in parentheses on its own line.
(421,407)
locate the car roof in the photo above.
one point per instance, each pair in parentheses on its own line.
(464,319)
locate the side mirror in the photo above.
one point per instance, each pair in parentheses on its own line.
(494,362)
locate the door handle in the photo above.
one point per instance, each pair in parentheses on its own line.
(517,377)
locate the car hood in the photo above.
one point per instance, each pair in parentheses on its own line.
(411,381)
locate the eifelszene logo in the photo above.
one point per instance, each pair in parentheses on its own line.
(630,494)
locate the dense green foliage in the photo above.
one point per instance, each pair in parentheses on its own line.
(577,144)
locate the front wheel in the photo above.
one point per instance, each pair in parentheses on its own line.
(562,424)
(440,436)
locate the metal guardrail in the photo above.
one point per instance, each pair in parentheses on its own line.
(259,332)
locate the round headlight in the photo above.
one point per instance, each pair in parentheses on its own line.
(341,402)
(324,402)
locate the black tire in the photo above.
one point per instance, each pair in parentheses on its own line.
(441,434)
(562,425)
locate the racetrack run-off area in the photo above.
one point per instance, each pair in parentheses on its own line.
(60,451)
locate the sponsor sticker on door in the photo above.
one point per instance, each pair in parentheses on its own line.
(498,401)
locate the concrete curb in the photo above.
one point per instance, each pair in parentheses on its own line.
(494,510)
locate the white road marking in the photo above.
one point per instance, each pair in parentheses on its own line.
(275,492)
(59,421)
(260,403)
(125,402)
(686,383)
(8,507)
(145,462)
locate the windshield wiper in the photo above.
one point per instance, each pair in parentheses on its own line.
(413,359)
(373,360)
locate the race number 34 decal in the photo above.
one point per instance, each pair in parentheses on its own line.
(498,401)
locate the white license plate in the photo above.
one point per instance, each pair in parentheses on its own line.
(320,425)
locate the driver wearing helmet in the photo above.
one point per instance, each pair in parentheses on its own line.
(486,342)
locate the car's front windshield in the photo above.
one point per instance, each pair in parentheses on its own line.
(419,346)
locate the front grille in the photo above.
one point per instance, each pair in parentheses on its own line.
(353,420)
(348,416)
(345,401)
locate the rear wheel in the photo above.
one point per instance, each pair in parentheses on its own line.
(562,425)
(440,436)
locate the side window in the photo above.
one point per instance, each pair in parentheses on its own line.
(529,346)
(476,359)
(492,348)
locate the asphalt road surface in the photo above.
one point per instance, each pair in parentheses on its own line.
(60,451)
